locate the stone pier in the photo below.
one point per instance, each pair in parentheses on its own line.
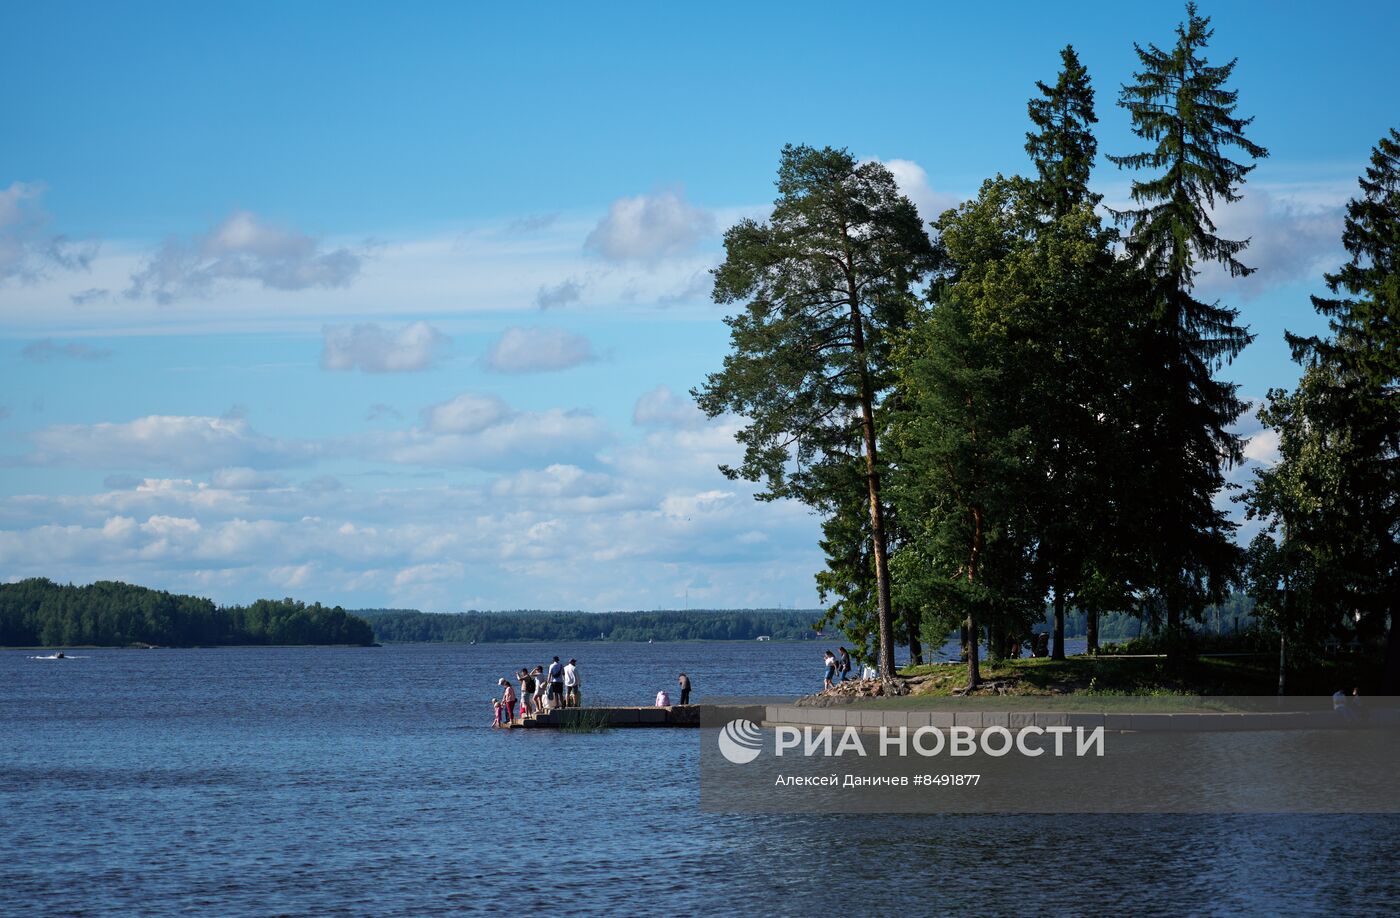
(670,716)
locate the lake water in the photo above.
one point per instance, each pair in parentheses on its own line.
(257,781)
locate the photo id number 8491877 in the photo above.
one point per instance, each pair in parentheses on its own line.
(947,780)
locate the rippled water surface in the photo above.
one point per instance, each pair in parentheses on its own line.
(365,781)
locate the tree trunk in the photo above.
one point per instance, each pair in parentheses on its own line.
(996,643)
(877,514)
(1057,647)
(916,647)
(974,672)
(1173,630)
(1091,631)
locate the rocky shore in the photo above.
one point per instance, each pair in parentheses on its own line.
(855,690)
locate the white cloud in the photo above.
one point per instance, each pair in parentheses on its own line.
(654,518)
(373,348)
(482,271)
(469,432)
(27,250)
(663,408)
(537,350)
(470,412)
(649,227)
(914,184)
(1263,446)
(558,483)
(242,478)
(472,430)
(290,576)
(1295,235)
(242,248)
(698,289)
(165,442)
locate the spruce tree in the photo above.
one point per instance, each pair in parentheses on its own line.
(1182,105)
(1334,496)
(1078,364)
(1063,146)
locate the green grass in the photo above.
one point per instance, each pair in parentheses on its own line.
(1106,676)
(584,720)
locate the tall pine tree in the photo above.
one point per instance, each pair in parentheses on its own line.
(825,283)
(1183,107)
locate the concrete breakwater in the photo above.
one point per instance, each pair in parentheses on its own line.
(600,717)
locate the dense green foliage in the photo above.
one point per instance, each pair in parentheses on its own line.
(1010,440)
(1047,392)
(40,612)
(1327,566)
(402,625)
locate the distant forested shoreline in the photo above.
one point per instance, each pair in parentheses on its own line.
(407,626)
(41,613)
(412,626)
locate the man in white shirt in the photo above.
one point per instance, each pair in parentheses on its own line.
(571,694)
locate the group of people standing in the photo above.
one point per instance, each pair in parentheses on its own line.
(543,688)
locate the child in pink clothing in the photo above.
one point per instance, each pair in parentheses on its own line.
(496,703)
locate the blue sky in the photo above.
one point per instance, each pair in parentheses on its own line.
(399,306)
